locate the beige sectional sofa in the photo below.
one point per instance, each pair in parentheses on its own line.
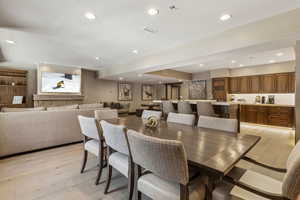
(32,130)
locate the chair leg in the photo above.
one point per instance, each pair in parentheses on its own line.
(85,155)
(101,166)
(131,180)
(108,179)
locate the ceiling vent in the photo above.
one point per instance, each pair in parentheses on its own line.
(150,30)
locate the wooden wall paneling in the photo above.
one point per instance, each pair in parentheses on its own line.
(12,83)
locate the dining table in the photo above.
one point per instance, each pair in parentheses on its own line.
(213,151)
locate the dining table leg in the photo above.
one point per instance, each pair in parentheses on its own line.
(210,185)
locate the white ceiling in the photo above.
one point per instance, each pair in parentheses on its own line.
(56,31)
(242,60)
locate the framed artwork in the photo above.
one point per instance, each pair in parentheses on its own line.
(147,92)
(125,92)
(197,89)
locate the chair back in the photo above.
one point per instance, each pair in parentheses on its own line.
(184,107)
(165,158)
(187,119)
(106,114)
(205,109)
(230,125)
(168,107)
(291,181)
(114,136)
(88,127)
(148,113)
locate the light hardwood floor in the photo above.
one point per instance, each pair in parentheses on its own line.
(54,174)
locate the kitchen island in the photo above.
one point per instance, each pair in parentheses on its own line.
(265,114)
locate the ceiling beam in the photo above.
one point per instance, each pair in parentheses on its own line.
(170,73)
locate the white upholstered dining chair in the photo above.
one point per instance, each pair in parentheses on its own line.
(167,107)
(166,176)
(184,107)
(148,113)
(92,143)
(223,124)
(117,153)
(186,119)
(256,186)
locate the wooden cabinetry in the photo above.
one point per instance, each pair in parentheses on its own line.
(12,83)
(234,85)
(282,82)
(292,83)
(220,88)
(268,115)
(268,83)
(254,84)
(244,84)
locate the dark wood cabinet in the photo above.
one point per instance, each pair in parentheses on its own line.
(254,84)
(234,85)
(282,82)
(220,88)
(292,83)
(244,84)
(268,83)
(268,115)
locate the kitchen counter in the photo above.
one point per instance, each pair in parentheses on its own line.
(220,103)
(191,101)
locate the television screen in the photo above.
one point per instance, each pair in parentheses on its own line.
(60,83)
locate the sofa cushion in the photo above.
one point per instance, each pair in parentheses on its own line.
(23,109)
(57,108)
(91,106)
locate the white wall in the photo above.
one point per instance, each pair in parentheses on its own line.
(286,99)
(264,69)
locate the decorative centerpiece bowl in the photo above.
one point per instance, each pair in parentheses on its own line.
(151,122)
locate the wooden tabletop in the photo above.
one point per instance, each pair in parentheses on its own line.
(214,150)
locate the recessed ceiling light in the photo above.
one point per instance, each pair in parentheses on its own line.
(97,58)
(233,61)
(279,54)
(241,65)
(121,78)
(153,11)
(201,65)
(10,41)
(225,17)
(90,15)
(271,61)
(135,51)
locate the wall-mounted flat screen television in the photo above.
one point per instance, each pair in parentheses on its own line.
(52,82)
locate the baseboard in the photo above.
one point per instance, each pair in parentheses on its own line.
(37,150)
